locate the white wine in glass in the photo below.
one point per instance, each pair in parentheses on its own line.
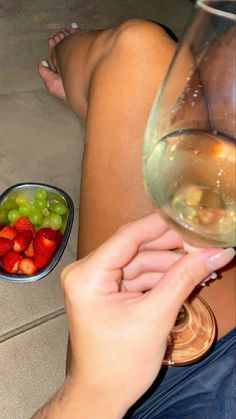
(189,156)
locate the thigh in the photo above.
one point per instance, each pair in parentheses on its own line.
(121,95)
(122,91)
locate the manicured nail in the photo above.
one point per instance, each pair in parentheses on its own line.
(45,63)
(220,259)
(74,25)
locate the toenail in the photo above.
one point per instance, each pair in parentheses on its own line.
(74,25)
(45,63)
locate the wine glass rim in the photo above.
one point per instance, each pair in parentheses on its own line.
(215,11)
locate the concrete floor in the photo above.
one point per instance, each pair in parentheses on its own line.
(42,140)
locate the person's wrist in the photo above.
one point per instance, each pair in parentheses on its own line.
(89,400)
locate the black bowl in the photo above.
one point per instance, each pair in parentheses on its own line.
(53,193)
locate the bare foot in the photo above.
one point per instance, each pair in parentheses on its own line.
(51,77)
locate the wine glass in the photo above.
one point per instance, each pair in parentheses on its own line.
(189,155)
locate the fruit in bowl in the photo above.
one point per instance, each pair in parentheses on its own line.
(35,224)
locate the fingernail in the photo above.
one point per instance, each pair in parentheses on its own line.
(45,63)
(74,25)
(220,259)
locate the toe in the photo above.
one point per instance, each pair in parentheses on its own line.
(60,35)
(52,81)
(49,76)
(45,72)
(57,39)
(51,43)
(74,25)
(63,32)
(66,31)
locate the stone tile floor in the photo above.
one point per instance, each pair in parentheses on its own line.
(42,140)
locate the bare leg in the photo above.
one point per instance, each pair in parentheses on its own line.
(121,78)
(119,81)
(110,79)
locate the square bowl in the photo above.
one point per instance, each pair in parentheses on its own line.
(54,195)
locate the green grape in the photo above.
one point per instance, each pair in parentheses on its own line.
(3,216)
(32,206)
(40,194)
(46,221)
(10,204)
(46,212)
(59,208)
(21,200)
(36,217)
(53,201)
(13,215)
(25,209)
(55,222)
(40,204)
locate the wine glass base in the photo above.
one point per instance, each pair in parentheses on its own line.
(193,334)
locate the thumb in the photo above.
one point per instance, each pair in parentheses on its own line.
(181,279)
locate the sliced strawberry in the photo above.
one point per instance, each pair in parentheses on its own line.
(5,245)
(27,266)
(44,245)
(10,262)
(8,232)
(29,252)
(22,241)
(41,260)
(44,249)
(59,236)
(23,223)
(47,232)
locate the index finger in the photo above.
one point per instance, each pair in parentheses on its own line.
(117,251)
(169,240)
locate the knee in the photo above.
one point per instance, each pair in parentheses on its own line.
(141,34)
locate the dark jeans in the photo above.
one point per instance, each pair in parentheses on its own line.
(205,390)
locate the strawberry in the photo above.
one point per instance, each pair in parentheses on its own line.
(5,245)
(59,236)
(22,224)
(8,232)
(27,266)
(22,241)
(10,262)
(47,232)
(44,249)
(29,252)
